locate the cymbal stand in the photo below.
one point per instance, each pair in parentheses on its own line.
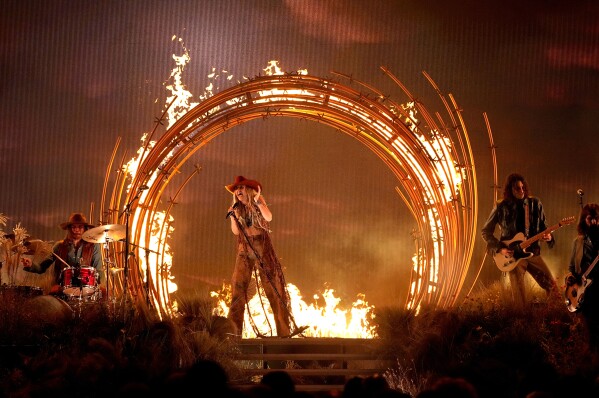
(78,299)
(107,264)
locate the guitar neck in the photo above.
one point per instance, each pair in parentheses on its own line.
(538,236)
(588,271)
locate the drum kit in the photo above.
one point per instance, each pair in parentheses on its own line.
(81,282)
(77,285)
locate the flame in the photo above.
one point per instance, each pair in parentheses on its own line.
(436,192)
(433,184)
(327,319)
(180,96)
(324,321)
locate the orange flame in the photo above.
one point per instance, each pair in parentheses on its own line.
(322,320)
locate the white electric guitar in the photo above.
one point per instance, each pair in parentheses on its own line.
(575,293)
(518,244)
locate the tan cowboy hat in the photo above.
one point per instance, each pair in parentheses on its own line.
(76,218)
(240,180)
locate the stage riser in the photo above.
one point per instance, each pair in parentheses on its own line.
(315,364)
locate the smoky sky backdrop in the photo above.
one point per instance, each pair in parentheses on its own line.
(76,75)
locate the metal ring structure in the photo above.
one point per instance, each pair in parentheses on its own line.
(430,156)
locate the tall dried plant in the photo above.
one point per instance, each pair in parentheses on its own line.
(16,249)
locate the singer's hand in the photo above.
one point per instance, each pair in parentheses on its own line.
(232,208)
(257,197)
(230,212)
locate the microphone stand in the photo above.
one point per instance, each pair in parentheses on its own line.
(268,277)
(148,275)
(127,213)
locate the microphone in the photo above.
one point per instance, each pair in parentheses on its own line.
(580,192)
(229,214)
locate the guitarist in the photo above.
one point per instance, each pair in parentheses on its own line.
(519,212)
(584,252)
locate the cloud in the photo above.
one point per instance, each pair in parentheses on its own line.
(569,56)
(335,21)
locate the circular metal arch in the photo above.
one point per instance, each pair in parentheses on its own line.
(431,158)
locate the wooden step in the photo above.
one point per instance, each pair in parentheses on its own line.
(319,372)
(306,357)
(315,364)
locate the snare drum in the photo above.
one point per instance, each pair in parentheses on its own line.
(78,281)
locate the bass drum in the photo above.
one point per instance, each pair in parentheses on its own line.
(48,312)
(17,293)
(26,312)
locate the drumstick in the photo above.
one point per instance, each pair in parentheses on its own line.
(59,258)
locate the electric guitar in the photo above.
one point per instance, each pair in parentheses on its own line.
(518,244)
(575,293)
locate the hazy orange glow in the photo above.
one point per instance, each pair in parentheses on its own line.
(433,164)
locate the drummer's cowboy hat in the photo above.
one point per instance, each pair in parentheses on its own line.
(76,218)
(241,180)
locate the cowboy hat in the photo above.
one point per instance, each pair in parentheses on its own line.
(76,218)
(240,180)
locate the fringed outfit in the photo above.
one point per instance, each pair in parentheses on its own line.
(268,270)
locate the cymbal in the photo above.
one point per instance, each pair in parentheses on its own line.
(110,232)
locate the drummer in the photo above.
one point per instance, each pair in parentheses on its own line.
(72,251)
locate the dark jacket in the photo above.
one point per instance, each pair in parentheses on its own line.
(583,255)
(504,215)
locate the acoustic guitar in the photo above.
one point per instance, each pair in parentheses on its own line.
(518,244)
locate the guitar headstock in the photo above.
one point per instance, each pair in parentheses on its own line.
(567,220)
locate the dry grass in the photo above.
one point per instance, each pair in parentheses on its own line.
(111,341)
(503,349)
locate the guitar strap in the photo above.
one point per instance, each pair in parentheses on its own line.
(579,249)
(526,220)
